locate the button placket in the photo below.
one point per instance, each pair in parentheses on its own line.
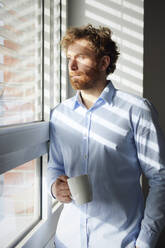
(86,139)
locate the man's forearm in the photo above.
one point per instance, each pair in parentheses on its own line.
(154,216)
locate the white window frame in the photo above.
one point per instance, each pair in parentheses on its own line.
(24,142)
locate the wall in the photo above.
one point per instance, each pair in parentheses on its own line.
(154,55)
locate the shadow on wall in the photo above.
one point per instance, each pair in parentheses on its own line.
(125,18)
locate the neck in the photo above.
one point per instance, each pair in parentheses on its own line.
(90,96)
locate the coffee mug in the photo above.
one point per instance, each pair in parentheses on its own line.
(80,188)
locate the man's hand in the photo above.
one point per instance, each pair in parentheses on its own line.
(61,190)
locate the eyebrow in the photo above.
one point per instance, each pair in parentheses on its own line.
(76,55)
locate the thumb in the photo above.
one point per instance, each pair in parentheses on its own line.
(63,178)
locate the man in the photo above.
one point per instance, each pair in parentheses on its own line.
(113,137)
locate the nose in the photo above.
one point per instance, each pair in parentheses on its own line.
(73,66)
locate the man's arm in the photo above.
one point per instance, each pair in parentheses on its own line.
(150,145)
(55,164)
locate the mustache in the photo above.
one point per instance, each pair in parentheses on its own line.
(72,74)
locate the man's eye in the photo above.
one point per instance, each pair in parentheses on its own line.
(81,56)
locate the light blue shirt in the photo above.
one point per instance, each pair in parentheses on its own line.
(113,142)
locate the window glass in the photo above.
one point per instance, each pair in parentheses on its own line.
(19,201)
(20,61)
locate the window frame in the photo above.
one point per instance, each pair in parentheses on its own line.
(13,154)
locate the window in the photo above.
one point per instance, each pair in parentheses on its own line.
(30,85)
(19,200)
(20,67)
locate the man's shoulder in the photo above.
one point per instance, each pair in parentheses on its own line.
(131,100)
(66,105)
(128,96)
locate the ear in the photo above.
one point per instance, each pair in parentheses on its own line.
(104,63)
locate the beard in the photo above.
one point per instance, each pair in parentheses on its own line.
(83,80)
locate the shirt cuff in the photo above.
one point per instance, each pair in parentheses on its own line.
(147,239)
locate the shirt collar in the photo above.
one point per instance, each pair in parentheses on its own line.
(106,95)
(108,92)
(77,100)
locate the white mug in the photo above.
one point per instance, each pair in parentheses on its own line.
(80,188)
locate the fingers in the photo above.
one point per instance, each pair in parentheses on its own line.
(61,185)
(61,190)
(63,178)
(65,199)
